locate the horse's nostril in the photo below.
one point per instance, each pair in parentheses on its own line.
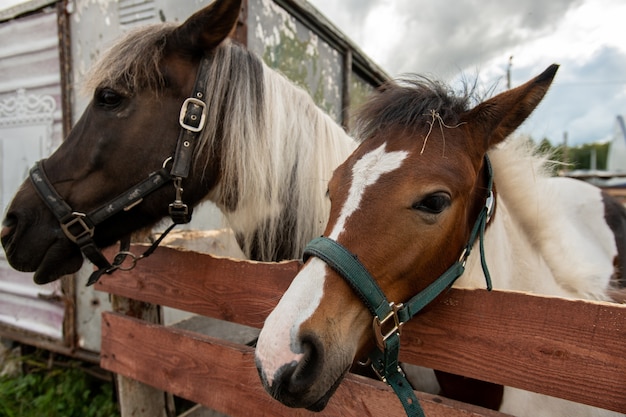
(8,224)
(296,377)
(293,382)
(308,368)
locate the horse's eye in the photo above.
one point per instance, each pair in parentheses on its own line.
(108,99)
(434,203)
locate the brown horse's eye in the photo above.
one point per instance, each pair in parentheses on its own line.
(108,98)
(433,204)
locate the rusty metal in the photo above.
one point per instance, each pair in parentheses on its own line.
(65,59)
(346,99)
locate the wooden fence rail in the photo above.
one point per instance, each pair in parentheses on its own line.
(569,349)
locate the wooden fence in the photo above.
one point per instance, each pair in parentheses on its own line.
(570,349)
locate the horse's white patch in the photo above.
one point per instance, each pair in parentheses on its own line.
(365,172)
(278,343)
(530,404)
(554,240)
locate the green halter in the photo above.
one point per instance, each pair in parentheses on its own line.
(389,317)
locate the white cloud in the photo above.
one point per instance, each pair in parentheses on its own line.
(477,37)
(5,4)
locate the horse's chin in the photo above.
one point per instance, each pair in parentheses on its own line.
(48,254)
(58,260)
(52,268)
(305,399)
(320,404)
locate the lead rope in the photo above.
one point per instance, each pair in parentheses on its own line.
(385,358)
(124,253)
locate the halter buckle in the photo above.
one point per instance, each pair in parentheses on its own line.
(464,256)
(490,204)
(189,115)
(78,220)
(381,373)
(179,211)
(385,328)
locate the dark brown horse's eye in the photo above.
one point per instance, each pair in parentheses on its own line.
(433,204)
(108,98)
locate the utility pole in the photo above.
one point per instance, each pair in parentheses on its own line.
(508,73)
(565,152)
(593,163)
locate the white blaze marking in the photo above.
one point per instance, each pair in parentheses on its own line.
(278,340)
(278,343)
(366,172)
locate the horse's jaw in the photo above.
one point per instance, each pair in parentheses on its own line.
(323,401)
(54,267)
(302,399)
(58,257)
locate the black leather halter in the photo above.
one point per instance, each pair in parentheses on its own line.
(79,227)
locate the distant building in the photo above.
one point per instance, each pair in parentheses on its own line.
(617,149)
(613,179)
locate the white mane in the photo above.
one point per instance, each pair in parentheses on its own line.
(549,228)
(278,152)
(275,149)
(519,170)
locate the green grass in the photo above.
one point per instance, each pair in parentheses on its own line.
(55,388)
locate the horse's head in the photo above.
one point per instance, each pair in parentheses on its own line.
(404,204)
(129,130)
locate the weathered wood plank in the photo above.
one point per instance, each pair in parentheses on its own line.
(222,375)
(570,349)
(243,292)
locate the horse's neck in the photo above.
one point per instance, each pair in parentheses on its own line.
(284,204)
(548,235)
(512,259)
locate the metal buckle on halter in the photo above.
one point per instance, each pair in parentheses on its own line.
(193,116)
(380,372)
(179,211)
(79,220)
(490,203)
(396,325)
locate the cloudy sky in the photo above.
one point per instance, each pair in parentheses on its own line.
(475,38)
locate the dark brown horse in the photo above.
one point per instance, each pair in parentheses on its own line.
(263,153)
(407,206)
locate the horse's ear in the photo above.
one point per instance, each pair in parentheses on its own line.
(207,28)
(499,116)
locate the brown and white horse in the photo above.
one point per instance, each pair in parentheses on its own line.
(264,155)
(405,203)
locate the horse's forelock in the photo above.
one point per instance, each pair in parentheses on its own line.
(133,62)
(409,103)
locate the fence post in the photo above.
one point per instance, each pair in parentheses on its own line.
(135,398)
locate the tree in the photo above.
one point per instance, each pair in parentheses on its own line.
(578,157)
